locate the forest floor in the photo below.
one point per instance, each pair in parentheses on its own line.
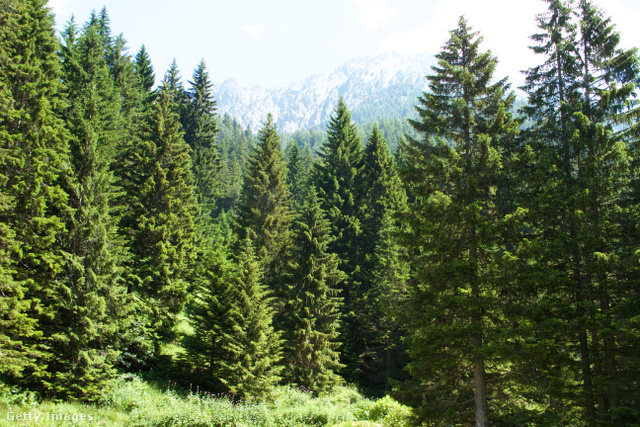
(134,402)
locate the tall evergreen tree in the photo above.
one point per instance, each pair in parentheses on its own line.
(253,347)
(337,179)
(381,197)
(200,134)
(311,313)
(34,170)
(390,275)
(144,71)
(264,213)
(297,174)
(453,230)
(582,202)
(212,316)
(92,299)
(163,220)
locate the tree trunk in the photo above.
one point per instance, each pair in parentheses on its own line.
(610,361)
(480,384)
(597,371)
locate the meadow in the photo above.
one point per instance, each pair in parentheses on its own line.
(132,401)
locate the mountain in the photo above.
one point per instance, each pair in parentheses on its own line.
(383,86)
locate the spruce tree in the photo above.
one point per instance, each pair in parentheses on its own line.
(92,301)
(312,309)
(297,175)
(337,178)
(145,74)
(264,214)
(200,134)
(381,197)
(132,108)
(162,218)
(577,235)
(211,315)
(452,230)
(390,276)
(250,367)
(34,170)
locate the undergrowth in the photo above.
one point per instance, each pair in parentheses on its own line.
(130,401)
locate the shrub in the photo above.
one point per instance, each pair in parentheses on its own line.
(390,413)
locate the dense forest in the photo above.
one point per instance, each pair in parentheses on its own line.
(475,262)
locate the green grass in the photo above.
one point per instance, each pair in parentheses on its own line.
(133,402)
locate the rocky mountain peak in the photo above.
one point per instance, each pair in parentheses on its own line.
(384,85)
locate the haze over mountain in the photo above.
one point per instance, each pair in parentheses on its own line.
(383,86)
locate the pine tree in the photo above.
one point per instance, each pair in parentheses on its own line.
(264,211)
(312,310)
(235,149)
(337,179)
(163,220)
(453,230)
(33,174)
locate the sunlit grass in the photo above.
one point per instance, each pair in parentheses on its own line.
(130,401)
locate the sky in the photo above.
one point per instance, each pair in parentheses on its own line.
(277,42)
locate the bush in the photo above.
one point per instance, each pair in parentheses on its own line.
(390,413)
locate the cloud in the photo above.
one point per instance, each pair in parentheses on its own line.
(374,14)
(254,30)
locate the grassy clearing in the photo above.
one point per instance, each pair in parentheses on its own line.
(133,402)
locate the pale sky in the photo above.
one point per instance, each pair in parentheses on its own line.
(276,42)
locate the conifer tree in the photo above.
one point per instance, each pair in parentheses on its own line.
(200,134)
(390,275)
(212,315)
(132,118)
(92,301)
(297,175)
(163,220)
(145,74)
(381,190)
(33,174)
(264,211)
(250,366)
(581,198)
(173,82)
(299,167)
(381,197)
(312,310)
(126,82)
(337,178)
(452,229)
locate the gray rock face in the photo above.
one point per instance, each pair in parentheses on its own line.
(382,82)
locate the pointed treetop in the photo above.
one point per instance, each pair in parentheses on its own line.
(171,80)
(144,69)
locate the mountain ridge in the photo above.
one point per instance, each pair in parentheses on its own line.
(382,86)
